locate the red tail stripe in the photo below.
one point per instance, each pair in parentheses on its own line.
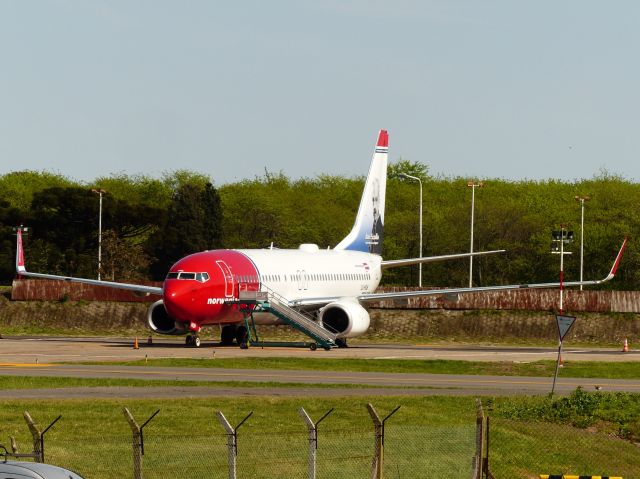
(383,139)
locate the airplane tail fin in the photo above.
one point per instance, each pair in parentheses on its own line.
(367,231)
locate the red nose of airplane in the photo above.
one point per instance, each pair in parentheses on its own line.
(178,297)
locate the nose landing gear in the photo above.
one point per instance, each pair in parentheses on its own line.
(192,340)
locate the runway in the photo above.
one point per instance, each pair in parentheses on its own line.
(30,350)
(37,356)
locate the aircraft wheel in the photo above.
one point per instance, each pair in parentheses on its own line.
(313,346)
(327,348)
(196,341)
(188,341)
(227,335)
(241,335)
(244,345)
(342,343)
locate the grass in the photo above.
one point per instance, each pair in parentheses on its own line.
(427,437)
(45,382)
(61,331)
(574,369)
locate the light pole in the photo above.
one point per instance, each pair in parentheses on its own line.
(581,199)
(99,192)
(473,185)
(415,178)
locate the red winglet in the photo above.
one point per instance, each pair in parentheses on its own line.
(19,252)
(383,139)
(618,258)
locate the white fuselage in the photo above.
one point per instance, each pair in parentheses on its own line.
(309,272)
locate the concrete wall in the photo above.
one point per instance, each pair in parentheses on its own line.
(415,325)
(46,290)
(523,299)
(529,300)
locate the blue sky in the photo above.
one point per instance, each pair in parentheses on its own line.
(516,90)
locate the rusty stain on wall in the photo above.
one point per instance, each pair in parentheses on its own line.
(50,290)
(519,299)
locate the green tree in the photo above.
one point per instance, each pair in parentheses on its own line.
(412,168)
(192,225)
(123,260)
(18,187)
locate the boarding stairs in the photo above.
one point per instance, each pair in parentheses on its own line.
(269,301)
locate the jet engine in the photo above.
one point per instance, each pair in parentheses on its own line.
(345,317)
(159,320)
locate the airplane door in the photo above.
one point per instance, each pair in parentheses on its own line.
(228,279)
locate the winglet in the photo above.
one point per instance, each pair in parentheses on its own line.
(616,263)
(19,250)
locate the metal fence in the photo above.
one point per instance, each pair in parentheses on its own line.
(527,449)
(298,450)
(316,448)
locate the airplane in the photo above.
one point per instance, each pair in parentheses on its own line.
(322,292)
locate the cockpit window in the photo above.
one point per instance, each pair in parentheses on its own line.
(201,277)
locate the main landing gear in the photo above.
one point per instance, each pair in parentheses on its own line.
(234,332)
(342,343)
(192,340)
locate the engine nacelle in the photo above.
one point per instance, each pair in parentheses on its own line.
(159,320)
(345,317)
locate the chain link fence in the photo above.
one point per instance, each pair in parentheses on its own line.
(492,447)
(527,449)
(287,451)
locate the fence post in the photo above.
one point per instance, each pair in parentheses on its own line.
(137,444)
(477,458)
(486,467)
(313,439)
(138,441)
(232,442)
(378,425)
(35,433)
(38,436)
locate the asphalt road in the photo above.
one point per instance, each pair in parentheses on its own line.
(42,357)
(396,382)
(60,349)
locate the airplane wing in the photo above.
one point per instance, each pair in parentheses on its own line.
(21,270)
(137,288)
(395,263)
(367,298)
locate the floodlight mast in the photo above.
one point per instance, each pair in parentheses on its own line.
(581,199)
(99,192)
(473,185)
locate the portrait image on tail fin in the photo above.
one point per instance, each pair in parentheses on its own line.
(374,239)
